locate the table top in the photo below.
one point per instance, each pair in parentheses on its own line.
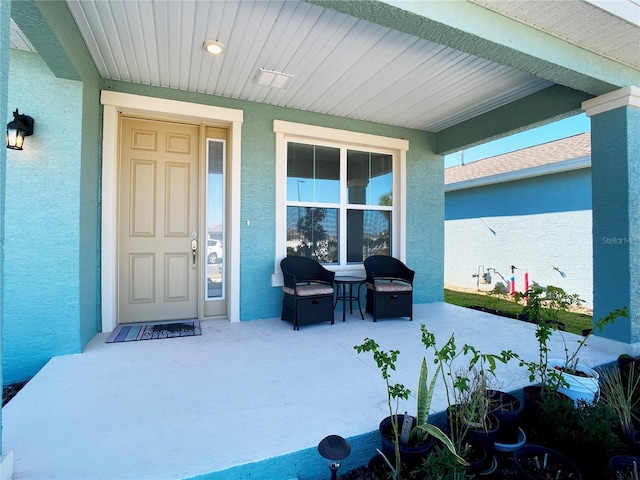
(349,279)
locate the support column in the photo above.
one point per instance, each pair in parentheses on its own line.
(6,458)
(615,177)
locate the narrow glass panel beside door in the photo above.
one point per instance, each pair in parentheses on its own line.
(215,254)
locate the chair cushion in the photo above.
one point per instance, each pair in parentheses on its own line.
(310,290)
(388,287)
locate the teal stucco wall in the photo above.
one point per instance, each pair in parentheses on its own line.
(616,218)
(5,11)
(425,197)
(542,225)
(52,211)
(41,308)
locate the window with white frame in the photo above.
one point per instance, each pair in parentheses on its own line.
(340,194)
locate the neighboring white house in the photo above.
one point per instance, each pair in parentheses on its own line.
(530,209)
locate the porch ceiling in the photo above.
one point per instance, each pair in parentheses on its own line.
(341,65)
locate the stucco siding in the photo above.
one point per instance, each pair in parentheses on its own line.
(616,227)
(542,226)
(424,237)
(425,217)
(42,304)
(5,10)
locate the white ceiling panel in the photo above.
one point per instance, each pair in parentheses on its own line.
(581,23)
(340,65)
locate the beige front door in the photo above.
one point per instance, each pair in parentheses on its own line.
(158,221)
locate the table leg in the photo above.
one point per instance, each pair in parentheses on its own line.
(360,308)
(344,299)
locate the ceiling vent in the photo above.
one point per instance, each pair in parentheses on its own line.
(271,78)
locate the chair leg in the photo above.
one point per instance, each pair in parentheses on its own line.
(373,308)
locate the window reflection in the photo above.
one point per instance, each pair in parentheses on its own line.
(328,211)
(215,219)
(313,233)
(313,173)
(369,178)
(368,233)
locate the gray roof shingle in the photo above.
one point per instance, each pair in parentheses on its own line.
(577,146)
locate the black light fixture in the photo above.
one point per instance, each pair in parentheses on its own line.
(334,449)
(20,127)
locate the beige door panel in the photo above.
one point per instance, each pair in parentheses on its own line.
(158,214)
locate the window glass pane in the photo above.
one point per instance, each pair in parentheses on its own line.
(369,178)
(313,173)
(215,220)
(313,233)
(368,233)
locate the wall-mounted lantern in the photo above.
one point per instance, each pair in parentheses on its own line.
(20,127)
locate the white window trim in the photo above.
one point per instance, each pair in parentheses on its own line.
(115,103)
(287,132)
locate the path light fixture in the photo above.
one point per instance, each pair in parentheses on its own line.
(334,449)
(20,127)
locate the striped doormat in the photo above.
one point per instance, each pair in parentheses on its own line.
(151,331)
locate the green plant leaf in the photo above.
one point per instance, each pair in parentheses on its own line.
(446,441)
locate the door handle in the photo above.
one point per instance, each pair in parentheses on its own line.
(194,251)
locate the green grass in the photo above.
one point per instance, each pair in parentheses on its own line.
(575,322)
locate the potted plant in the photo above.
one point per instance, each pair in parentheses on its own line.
(624,467)
(417,431)
(535,462)
(625,363)
(440,464)
(507,408)
(620,395)
(579,430)
(568,376)
(464,374)
(579,381)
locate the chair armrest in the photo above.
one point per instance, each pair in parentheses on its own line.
(328,277)
(289,279)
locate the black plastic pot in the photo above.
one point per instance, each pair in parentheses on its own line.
(531,469)
(507,409)
(485,438)
(622,467)
(410,454)
(532,399)
(627,364)
(479,462)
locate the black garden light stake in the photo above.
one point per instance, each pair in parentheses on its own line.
(334,449)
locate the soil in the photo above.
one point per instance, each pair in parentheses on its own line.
(552,470)
(506,470)
(577,373)
(361,473)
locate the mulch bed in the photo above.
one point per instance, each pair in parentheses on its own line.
(361,473)
(10,391)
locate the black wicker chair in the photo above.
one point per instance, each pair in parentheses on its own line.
(308,292)
(389,287)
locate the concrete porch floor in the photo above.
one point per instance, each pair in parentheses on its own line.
(243,400)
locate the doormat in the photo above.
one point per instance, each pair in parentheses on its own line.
(152,331)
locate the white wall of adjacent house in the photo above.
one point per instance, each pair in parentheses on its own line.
(553,248)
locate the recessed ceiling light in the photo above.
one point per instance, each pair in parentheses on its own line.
(214,47)
(271,78)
